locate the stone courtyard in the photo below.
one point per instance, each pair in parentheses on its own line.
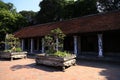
(26,69)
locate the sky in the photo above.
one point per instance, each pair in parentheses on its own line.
(27,5)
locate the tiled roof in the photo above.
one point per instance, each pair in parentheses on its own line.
(91,23)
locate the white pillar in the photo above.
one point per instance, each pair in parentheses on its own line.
(22,44)
(75,45)
(38,44)
(6,45)
(79,44)
(43,45)
(57,43)
(100,45)
(31,49)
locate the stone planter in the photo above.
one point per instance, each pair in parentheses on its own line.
(12,55)
(56,61)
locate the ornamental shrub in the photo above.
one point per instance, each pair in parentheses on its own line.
(54,41)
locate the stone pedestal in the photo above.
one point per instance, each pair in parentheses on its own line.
(56,61)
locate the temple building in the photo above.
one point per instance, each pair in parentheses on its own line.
(97,34)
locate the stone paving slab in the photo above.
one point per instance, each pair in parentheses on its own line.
(26,69)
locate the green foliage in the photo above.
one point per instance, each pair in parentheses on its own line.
(108,5)
(20,22)
(12,43)
(7,6)
(57,33)
(11,50)
(50,40)
(18,49)
(50,51)
(11,7)
(3,5)
(7,50)
(10,20)
(7,19)
(50,43)
(56,10)
(84,7)
(51,10)
(61,54)
(29,16)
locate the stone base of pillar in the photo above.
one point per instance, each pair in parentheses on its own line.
(100,56)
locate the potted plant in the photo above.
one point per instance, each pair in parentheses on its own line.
(12,48)
(54,55)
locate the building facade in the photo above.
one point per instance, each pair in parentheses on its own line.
(97,35)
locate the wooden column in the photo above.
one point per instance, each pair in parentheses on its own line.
(100,45)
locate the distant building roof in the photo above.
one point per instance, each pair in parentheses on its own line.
(90,23)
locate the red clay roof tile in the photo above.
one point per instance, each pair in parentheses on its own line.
(93,23)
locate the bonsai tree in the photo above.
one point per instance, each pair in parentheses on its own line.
(12,43)
(55,54)
(54,43)
(12,48)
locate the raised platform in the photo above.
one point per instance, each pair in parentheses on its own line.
(96,58)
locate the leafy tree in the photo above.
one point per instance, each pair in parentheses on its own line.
(69,9)
(51,10)
(20,22)
(84,7)
(29,16)
(10,20)
(56,10)
(3,5)
(12,43)
(108,5)
(7,6)
(7,19)
(54,41)
(11,7)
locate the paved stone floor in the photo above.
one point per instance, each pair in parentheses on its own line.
(25,69)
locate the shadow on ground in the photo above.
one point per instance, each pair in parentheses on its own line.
(8,59)
(33,65)
(3,59)
(111,71)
